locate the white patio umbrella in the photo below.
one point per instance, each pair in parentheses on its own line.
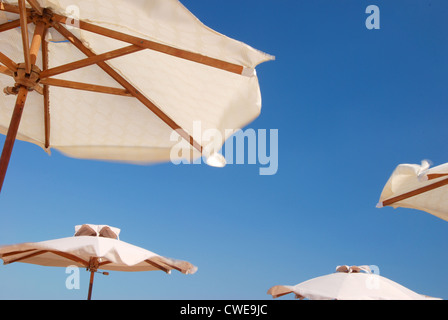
(349,283)
(418,187)
(94,247)
(112,80)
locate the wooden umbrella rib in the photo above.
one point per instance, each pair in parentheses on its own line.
(46,94)
(31,255)
(11,65)
(37,252)
(12,253)
(89,61)
(174,267)
(10,8)
(415,192)
(85,87)
(24,31)
(127,85)
(6,71)
(103,263)
(144,43)
(71,257)
(36,6)
(432,176)
(9,25)
(156,265)
(148,44)
(161,262)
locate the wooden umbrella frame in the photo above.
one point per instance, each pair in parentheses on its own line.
(418,191)
(28,77)
(92,265)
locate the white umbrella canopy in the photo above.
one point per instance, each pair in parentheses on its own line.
(112,80)
(349,283)
(94,247)
(418,187)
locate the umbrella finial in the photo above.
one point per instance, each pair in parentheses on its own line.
(97,231)
(353,269)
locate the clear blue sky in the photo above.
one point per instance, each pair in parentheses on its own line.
(349,103)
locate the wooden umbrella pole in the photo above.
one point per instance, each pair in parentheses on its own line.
(20,104)
(93,267)
(12,133)
(92,275)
